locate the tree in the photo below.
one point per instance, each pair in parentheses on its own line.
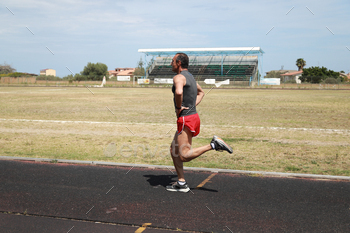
(68,77)
(139,71)
(94,71)
(319,74)
(274,74)
(6,69)
(300,63)
(150,63)
(79,77)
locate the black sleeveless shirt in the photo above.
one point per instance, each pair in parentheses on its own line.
(189,94)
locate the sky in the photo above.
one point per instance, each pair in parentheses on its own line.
(67,34)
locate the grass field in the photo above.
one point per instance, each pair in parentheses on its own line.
(232,85)
(303,131)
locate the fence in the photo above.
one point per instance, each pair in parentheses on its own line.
(18,80)
(6,81)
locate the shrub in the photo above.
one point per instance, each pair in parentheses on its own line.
(331,81)
(15,74)
(49,78)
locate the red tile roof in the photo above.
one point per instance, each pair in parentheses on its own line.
(125,73)
(292,73)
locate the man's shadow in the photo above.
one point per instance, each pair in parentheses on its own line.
(160,180)
(165,180)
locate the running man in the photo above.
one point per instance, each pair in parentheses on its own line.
(187,95)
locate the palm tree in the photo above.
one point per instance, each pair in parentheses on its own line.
(300,63)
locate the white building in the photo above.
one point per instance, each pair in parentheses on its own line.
(292,76)
(47,72)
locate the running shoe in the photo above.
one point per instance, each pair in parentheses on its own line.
(221,145)
(176,187)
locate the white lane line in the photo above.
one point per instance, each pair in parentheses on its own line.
(221,126)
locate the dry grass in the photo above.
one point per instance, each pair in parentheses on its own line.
(233,84)
(305,131)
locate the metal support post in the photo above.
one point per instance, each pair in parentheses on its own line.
(222,65)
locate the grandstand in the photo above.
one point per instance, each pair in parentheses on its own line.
(238,65)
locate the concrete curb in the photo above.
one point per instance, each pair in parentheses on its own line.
(213,170)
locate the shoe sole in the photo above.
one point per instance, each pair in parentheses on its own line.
(179,190)
(223,144)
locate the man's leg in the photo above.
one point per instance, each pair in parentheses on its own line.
(180,185)
(181,151)
(186,152)
(178,164)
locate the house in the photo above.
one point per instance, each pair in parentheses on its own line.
(112,73)
(47,72)
(345,76)
(122,74)
(292,76)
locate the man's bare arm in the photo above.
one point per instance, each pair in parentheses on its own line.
(200,94)
(179,83)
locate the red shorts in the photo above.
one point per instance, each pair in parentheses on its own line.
(192,122)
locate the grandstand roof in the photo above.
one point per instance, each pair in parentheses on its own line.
(203,51)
